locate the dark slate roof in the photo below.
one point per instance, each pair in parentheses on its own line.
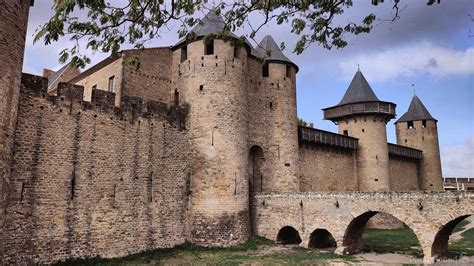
(210,24)
(57,74)
(359,91)
(416,111)
(270,51)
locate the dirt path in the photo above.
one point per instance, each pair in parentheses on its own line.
(457,235)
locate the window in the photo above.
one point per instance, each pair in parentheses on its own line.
(363,130)
(111,84)
(176,97)
(184,53)
(410,125)
(288,71)
(345,132)
(236,51)
(209,48)
(265,70)
(94,87)
(423,123)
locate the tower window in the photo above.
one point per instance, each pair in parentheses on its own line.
(288,71)
(111,87)
(265,70)
(423,123)
(271,105)
(236,51)
(209,48)
(345,132)
(410,125)
(176,97)
(184,53)
(363,130)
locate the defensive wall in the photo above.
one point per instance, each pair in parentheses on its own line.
(89,179)
(431,215)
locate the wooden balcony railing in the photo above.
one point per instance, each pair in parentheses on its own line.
(386,108)
(403,151)
(317,136)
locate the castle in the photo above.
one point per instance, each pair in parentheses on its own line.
(117,160)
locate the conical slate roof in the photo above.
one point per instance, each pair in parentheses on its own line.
(210,24)
(269,50)
(416,111)
(359,91)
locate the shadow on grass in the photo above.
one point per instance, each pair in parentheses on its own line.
(245,253)
(402,241)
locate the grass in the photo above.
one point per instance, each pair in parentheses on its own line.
(463,246)
(256,250)
(402,241)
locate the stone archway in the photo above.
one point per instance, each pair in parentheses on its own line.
(353,236)
(439,249)
(288,235)
(321,239)
(256,162)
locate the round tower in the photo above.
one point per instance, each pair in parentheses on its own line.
(210,76)
(13,23)
(360,114)
(417,128)
(279,80)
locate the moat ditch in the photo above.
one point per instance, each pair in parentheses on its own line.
(393,247)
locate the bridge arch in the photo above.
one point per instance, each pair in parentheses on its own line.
(321,238)
(439,249)
(288,235)
(352,239)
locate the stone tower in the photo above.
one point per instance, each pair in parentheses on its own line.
(211,78)
(362,115)
(279,79)
(417,128)
(13,23)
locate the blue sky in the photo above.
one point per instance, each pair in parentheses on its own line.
(429,47)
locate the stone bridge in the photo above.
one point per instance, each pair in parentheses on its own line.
(431,216)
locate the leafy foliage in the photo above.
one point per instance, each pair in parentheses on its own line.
(106,26)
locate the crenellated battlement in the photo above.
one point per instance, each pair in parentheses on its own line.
(70,97)
(211,62)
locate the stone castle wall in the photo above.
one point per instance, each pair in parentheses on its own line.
(404,174)
(90,180)
(13,23)
(152,80)
(325,168)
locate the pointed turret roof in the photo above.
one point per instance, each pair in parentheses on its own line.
(360,99)
(270,51)
(416,111)
(210,24)
(359,91)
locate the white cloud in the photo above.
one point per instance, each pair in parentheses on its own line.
(412,60)
(458,161)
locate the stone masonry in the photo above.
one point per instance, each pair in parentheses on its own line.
(201,144)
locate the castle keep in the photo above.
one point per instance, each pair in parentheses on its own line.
(199,144)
